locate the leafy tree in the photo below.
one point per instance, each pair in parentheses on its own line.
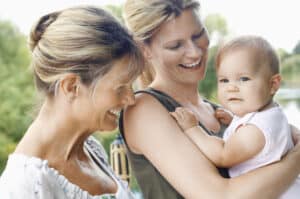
(283,54)
(217,26)
(291,70)
(296,50)
(116,11)
(207,87)
(16,88)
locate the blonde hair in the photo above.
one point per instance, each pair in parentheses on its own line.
(145,17)
(264,52)
(84,40)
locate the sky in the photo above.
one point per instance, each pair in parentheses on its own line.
(276,20)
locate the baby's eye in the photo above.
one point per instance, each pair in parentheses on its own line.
(223,80)
(244,79)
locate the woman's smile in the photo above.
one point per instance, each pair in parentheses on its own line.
(194,65)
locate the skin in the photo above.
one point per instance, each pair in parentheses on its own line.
(66,120)
(244,86)
(191,173)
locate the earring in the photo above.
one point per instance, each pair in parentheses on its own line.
(77,90)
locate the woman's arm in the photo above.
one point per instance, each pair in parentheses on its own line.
(151,131)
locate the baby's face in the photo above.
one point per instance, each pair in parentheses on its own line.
(244,84)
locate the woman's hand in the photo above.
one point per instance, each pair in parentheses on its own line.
(295,134)
(294,154)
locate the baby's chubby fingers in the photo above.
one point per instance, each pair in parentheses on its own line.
(223,116)
(175,115)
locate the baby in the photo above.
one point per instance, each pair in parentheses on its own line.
(248,77)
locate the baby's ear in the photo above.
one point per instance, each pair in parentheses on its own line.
(275,83)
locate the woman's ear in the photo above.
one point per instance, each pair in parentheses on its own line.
(275,83)
(145,50)
(69,85)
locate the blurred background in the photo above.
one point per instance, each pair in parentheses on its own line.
(277,21)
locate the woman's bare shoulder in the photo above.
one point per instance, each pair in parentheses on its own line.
(146,122)
(144,106)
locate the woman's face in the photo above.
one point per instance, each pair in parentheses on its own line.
(111,93)
(178,51)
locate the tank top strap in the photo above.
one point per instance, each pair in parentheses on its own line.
(168,102)
(171,104)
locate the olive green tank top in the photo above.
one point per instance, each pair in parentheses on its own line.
(153,185)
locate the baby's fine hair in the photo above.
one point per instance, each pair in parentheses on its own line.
(263,50)
(84,40)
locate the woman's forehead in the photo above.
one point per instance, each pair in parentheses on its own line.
(175,28)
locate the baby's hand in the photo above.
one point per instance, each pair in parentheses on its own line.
(185,118)
(223,116)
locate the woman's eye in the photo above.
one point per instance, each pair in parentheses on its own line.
(199,35)
(244,79)
(174,47)
(121,90)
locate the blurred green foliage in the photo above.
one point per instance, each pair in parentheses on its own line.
(16,88)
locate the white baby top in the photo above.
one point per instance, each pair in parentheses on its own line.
(276,130)
(30,177)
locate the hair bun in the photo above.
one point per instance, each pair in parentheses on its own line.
(39,28)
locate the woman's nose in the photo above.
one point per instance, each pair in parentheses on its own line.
(193,50)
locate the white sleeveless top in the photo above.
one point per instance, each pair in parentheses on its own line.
(277,132)
(31,177)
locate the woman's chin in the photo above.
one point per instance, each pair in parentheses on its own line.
(111,128)
(109,125)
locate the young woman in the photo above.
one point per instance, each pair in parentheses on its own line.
(165,161)
(84,62)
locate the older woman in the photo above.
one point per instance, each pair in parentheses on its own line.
(84,62)
(166,163)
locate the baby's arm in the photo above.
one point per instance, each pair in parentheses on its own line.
(245,143)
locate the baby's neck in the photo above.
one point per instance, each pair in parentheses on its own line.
(267,106)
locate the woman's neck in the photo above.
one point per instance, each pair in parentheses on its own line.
(53,136)
(182,93)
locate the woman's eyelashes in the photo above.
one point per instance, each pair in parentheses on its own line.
(174,46)
(121,90)
(195,38)
(198,35)
(124,89)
